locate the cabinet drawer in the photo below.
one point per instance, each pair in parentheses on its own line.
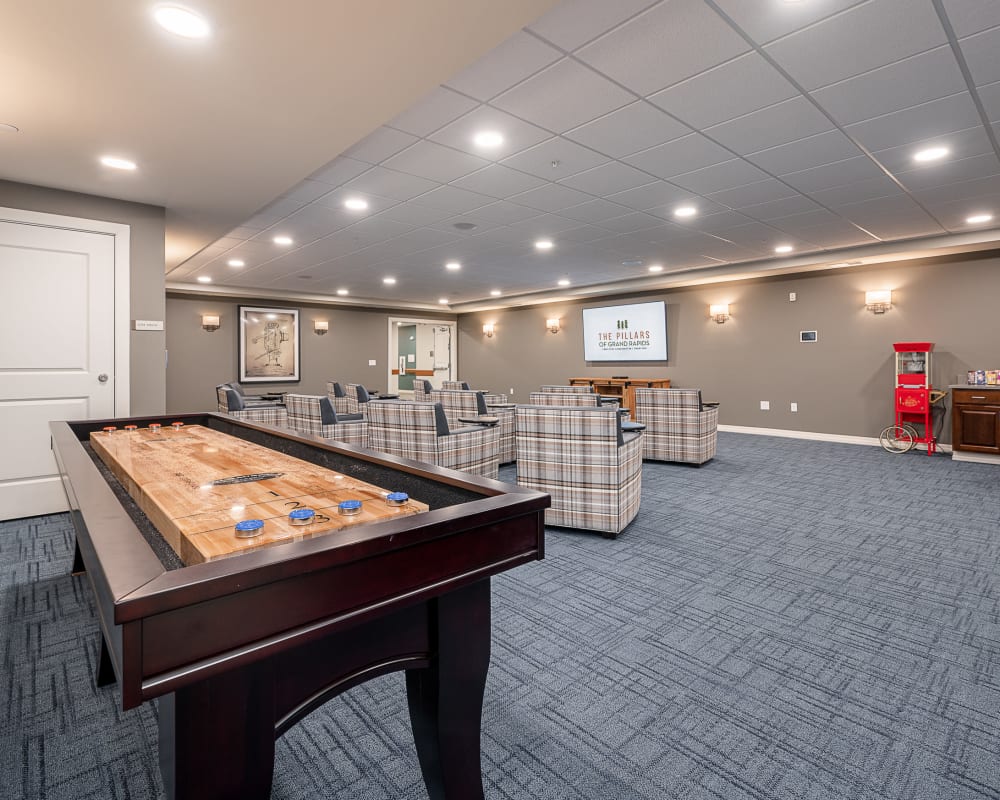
(974,397)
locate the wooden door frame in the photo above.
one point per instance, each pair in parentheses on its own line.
(121,233)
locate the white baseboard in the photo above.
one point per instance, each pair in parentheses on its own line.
(975,458)
(871,441)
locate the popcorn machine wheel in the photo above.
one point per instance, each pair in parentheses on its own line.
(915,400)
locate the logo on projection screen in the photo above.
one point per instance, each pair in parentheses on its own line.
(626,333)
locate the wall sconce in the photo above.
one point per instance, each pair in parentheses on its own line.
(210,322)
(553,325)
(719,312)
(878,302)
(488,329)
(320,326)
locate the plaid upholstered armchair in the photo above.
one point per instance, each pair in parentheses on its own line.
(678,426)
(231,402)
(316,415)
(421,431)
(338,397)
(581,457)
(576,399)
(459,403)
(422,389)
(492,398)
(357,398)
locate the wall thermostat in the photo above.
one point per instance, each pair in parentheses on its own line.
(807,336)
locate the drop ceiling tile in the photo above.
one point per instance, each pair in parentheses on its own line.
(505,65)
(551,197)
(435,110)
(756,235)
(608,179)
(836,235)
(935,118)
(670,42)
(719,221)
(240,233)
(772,126)
(412,214)
(504,213)
(379,145)
(753,193)
(572,23)
(451,198)
(306,191)
(972,16)
(729,253)
(568,157)
(546,225)
(634,221)
(727,175)
(660,198)
(517,134)
(339,171)
(390,183)
(737,87)
(563,96)
(912,81)
(681,155)
(890,218)
(585,234)
(793,223)
(867,189)
(776,210)
(765,20)
(990,96)
(434,162)
(334,200)
(272,213)
(482,225)
(629,130)
(953,215)
(865,37)
(982,54)
(594,211)
(828,176)
(813,151)
(962,144)
(957,171)
(498,181)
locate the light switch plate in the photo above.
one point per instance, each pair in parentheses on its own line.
(765,405)
(371,362)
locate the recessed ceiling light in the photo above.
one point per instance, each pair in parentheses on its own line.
(488,139)
(4,126)
(454,266)
(783,248)
(117,163)
(931,154)
(342,292)
(182,22)
(656,268)
(685,211)
(204,279)
(356,204)
(976,219)
(389,281)
(236,262)
(544,244)
(495,293)
(283,240)
(564,281)
(443,301)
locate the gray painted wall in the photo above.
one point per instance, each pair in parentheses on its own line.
(843,383)
(198,359)
(146,348)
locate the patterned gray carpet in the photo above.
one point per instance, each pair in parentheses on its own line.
(793,620)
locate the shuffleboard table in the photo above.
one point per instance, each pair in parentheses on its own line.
(241,630)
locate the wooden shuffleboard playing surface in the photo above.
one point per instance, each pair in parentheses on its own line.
(195,484)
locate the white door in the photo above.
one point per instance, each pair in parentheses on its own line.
(57,351)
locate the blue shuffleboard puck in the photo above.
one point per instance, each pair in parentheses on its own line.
(249,528)
(397,499)
(301,516)
(349,507)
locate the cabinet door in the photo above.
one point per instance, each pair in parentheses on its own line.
(977,428)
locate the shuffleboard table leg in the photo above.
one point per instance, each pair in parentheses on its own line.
(105,668)
(217,737)
(446,699)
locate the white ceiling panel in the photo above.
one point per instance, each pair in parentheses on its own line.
(835,235)
(982,54)
(563,96)
(517,134)
(499,181)
(379,145)
(608,179)
(953,171)
(412,214)
(272,213)
(682,155)
(718,221)
(555,159)
(504,213)
(594,211)
(828,176)
(867,189)
(823,148)
(660,47)
(990,96)
(434,162)
(727,175)
(892,217)
(938,117)
(339,171)
(657,197)
(550,197)
(575,22)
(527,231)
(629,130)
(961,144)
(776,210)
(335,198)
(389,183)
(736,88)
(912,81)
(307,191)
(865,37)
(634,221)
(513,61)
(766,20)
(972,16)
(772,126)
(241,233)
(451,198)
(754,193)
(437,109)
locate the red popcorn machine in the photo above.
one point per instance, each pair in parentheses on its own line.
(914,400)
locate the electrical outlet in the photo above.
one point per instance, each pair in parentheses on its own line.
(765,405)
(791,297)
(512,391)
(371,362)
(795,406)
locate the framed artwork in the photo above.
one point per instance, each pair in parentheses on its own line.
(269,344)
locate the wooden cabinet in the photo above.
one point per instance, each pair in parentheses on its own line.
(621,387)
(975,419)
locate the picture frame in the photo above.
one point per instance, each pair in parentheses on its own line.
(269,345)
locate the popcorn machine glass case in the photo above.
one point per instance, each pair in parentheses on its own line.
(914,399)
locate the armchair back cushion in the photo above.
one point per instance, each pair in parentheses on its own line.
(677,428)
(586,400)
(357,398)
(338,397)
(577,389)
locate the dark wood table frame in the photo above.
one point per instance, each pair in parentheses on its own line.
(240,649)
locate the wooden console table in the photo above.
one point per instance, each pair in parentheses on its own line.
(621,387)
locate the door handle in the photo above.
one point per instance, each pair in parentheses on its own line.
(103,377)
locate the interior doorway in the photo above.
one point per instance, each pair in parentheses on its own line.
(420,348)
